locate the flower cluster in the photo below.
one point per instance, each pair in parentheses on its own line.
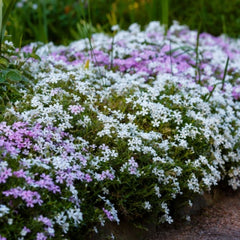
(124,129)
(41,170)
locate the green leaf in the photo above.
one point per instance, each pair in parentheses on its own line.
(35,56)
(14,75)
(225,73)
(185,49)
(26,80)
(9,7)
(4,62)
(2,80)
(13,90)
(2,107)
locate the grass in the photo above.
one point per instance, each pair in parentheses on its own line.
(57,21)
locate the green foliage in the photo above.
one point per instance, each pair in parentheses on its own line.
(12,77)
(44,21)
(60,21)
(216,17)
(6,8)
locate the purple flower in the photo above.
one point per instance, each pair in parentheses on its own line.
(25,231)
(28,196)
(20,173)
(18,125)
(7,172)
(45,221)
(61,176)
(133,165)
(108,214)
(41,236)
(80,175)
(69,148)
(88,178)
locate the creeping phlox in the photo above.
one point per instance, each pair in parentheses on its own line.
(39,169)
(152,118)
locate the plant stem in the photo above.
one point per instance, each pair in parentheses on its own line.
(112,47)
(45,27)
(164,5)
(198,72)
(225,73)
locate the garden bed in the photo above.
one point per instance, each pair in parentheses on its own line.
(130,125)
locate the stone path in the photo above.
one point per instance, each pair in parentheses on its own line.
(221,221)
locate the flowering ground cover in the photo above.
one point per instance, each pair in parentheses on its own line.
(129,125)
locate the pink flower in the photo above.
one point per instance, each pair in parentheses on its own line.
(76,109)
(210,88)
(108,214)
(236,92)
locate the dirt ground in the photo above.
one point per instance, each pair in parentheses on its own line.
(221,221)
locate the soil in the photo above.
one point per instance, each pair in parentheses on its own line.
(220,221)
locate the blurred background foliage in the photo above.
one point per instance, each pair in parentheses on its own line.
(62,21)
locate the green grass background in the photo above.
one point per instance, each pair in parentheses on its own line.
(61,21)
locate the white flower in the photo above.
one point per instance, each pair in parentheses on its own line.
(134,28)
(193,183)
(3,165)
(105,191)
(34,6)
(19,5)
(135,144)
(3,210)
(157,191)
(115,28)
(61,218)
(75,214)
(58,163)
(147,205)
(10,221)
(95,229)
(51,231)
(65,227)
